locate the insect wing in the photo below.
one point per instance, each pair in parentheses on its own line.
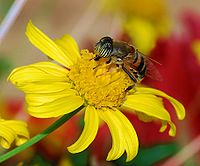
(151,71)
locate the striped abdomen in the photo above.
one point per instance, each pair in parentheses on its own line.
(139,66)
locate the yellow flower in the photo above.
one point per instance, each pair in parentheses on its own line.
(152,10)
(196,48)
(13,130)
(53,90)
(145,21)
(145,33)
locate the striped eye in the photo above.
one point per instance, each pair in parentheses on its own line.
(107,49)
(104,47)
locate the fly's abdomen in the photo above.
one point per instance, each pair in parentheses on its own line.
(140,66)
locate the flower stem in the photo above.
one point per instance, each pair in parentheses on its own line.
(40,136)
(10,18)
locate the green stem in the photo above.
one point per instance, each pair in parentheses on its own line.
(40,136)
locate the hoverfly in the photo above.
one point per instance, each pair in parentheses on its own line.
(133,62)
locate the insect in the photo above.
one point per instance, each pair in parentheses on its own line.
(133,62)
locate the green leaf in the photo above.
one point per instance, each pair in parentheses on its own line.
(80,159)
(150,156)
(38,160)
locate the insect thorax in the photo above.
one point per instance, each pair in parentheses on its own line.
(121,49)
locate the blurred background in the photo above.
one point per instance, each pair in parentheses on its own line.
(166,30)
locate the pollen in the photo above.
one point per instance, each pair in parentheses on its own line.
(100,84)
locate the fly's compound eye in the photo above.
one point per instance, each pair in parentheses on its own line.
(106,39)
(108,46)
(106,50)
(104,47)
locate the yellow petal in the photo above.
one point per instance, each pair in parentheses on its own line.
(114,124)
(43,77)
(91,120)
(130,136)
(179,108)
(172,130)
(47,46)
(38,99)
(150,105)
(48,92)
(7,136)
(44,88)
(13,130)
(56,108)
(147,104)
(69,46)
(20,129)
(42,72)
(143,117)
(163,127)
(20,140)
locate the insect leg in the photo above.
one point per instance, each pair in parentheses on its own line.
(109,60)
(130,87)
(129,74)
(97,58)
